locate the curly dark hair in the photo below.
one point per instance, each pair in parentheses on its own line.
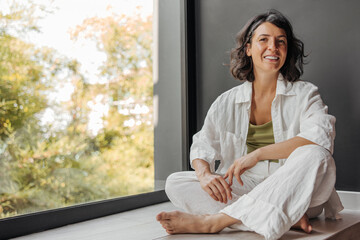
(241,64)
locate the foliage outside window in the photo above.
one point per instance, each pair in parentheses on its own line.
(59,152)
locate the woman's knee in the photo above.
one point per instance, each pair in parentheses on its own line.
(171,182)
(176,181)
(173,177)
(177,177)
(313,154)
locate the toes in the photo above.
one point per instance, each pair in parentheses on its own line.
(159,216)
(167,224)
(166,219)
(163,224)
(162,216)
(307,228)
(305,225)
(169,227)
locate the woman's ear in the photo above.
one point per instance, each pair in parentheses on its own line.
(248,49)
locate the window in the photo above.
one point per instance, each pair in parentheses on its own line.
(76,120)
(65,126)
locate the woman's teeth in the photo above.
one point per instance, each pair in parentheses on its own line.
(272,57)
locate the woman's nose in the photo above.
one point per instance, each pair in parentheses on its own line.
(272,45)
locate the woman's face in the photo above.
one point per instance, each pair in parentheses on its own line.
(268,49)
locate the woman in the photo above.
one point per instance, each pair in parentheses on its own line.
(273,137)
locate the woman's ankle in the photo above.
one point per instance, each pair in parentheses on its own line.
(217,222)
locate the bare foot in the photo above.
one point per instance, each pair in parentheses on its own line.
(180,222)
(303,224)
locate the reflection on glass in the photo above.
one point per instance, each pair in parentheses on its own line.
(76,110)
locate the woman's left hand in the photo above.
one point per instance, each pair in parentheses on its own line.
(240,165)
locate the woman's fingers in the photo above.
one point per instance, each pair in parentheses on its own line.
(217,187)
(207,183)
(239,179)
(216,192)
(227,188)
(211,193)
(238,168)
(237,173)
(221,190)
(229,174)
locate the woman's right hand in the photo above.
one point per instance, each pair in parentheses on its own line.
(216,187)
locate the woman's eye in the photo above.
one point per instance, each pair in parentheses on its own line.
(282,41)
(262,39)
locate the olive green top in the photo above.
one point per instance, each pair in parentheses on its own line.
(260,136)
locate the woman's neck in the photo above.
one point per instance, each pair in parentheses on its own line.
(265,85)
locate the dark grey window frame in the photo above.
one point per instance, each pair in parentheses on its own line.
(40,221)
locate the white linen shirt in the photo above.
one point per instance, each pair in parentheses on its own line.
(297,110)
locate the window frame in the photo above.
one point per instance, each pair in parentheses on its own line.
(40,221)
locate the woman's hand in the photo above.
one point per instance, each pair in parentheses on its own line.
(216,187)
(240,165)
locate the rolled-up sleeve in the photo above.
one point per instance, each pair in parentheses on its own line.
(316,124)
(206,143)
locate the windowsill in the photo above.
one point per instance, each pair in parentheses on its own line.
(350,200)
(141,224)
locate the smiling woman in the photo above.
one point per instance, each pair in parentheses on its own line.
(249,190)
(267,49)
(291,48)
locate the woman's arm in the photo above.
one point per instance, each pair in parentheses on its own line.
(272,151)
(214,185)
(281,149)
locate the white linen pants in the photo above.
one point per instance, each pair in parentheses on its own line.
(273,197)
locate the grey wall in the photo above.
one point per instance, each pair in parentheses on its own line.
(330,31)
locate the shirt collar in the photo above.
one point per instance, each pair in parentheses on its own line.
(283,87)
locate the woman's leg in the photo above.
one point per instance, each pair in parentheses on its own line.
(202,211)
(305,180)
(270,209)
(185,192)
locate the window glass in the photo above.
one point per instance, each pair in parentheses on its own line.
(76,102)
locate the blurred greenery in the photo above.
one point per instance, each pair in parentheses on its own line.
(57,163)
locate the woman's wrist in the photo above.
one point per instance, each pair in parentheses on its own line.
(202,168)
(202,172)
(258,153)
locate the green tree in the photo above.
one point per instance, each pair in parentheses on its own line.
(21,97)
(126,41)
(27,75)
(46,166)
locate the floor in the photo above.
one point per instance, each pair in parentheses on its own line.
(141,224)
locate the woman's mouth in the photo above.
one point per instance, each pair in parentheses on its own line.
(272,57)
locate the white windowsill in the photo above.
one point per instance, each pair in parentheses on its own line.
(141,224)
